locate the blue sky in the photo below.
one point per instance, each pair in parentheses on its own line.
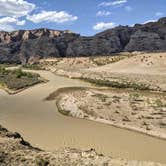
(86,17)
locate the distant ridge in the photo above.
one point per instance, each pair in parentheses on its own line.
(28,46)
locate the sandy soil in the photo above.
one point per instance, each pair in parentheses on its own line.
(147,70)
(147,63)
(15,151)
(77,63)
(139,111)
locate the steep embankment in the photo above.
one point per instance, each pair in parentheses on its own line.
(30,45)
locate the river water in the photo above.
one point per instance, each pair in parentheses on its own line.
(43,126)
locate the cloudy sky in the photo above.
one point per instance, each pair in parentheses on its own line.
(86,17)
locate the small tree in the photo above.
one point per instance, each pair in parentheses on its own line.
(19,73)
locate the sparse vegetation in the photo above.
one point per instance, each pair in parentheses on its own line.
(104,60)
(159,103)
(134,96)
(4,65)
(162,124)
(32,66)
(41,162)
(17,79)
(102,97)
(117,84)
(141,111)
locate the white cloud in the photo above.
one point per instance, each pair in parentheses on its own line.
(149,21)
(11,11)
(52,16)
(15,8)
(103,13)
(6,28)
(7,23)
(114,3)
(158,14)
(11,20)
(103,26)
(128,8)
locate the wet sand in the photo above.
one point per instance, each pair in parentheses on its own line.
(40,123)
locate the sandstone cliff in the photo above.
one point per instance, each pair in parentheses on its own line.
(30,45)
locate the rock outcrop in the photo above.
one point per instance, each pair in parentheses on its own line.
(25,46)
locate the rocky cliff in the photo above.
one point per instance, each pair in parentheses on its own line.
(30,45)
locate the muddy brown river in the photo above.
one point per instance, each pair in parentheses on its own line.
(43,126)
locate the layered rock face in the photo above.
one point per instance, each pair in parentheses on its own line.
(30,45)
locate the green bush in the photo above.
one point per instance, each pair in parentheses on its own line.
(32,67)
(17,79)
(117,84)
(3,70)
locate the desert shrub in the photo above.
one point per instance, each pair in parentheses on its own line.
(19,73)
(159,103)
(32,66)
(17,79)
(3,70)
(41,162)
(117,84)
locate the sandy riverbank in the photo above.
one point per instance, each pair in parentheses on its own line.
(143,112)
